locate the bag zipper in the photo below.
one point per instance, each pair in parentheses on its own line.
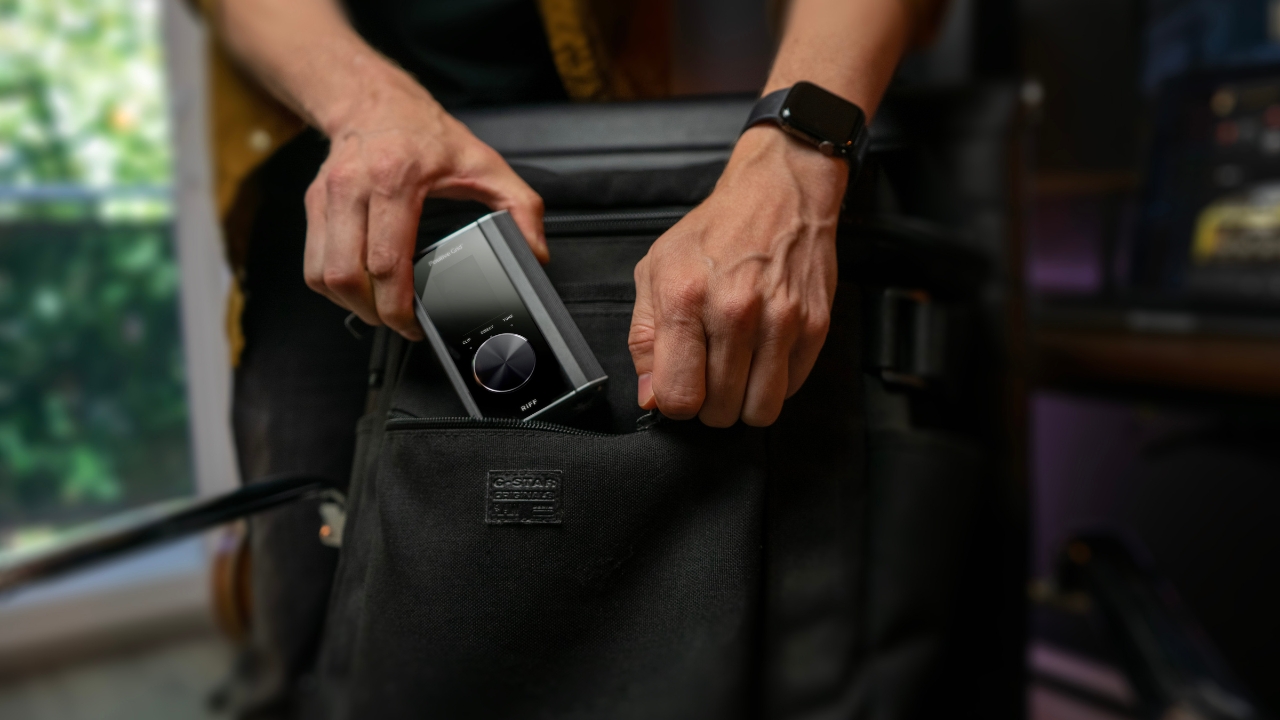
(400,420)
(650,220)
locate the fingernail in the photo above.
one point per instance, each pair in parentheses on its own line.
(645,392)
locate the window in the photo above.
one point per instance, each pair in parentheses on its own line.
(113,364)
(93,408)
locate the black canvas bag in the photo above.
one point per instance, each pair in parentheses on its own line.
(694,572)
(851,561)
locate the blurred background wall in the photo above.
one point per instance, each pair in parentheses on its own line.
(1151,266)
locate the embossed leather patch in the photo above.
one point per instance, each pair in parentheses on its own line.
(523,497)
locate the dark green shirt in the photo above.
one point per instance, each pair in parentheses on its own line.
(466,52)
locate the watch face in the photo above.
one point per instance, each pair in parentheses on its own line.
(822,115)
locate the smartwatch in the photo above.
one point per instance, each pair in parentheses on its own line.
(823,119)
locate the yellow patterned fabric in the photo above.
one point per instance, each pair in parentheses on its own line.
(575,48)
(610,49)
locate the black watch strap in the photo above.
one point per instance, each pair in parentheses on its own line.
(772,108)
(767,109)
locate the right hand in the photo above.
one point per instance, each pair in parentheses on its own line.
(386,155)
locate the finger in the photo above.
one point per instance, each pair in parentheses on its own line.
(526,210)
(730,340)
(313,255)
(485,177)
(347,222)
(393,225)
(769,383)
(679,351)
(640,340)
(809,342)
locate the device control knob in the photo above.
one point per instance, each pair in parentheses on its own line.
(504,362)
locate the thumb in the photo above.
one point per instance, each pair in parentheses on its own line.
(511,193)
(641,338)
(485,177)
(526,211)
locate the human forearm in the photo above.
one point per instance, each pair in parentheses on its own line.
(851,48)
(307,55)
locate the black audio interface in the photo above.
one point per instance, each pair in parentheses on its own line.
(499,328)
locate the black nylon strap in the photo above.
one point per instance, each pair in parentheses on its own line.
(767,109)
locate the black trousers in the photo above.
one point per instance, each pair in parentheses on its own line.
(299,389)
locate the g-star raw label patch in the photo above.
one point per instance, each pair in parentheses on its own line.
(523,497)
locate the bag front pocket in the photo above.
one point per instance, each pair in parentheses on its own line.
(625,586)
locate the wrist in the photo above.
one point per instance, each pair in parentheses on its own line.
(766,150)
(367,87)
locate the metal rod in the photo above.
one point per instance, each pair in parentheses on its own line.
(129,531)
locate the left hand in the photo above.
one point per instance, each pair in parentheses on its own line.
(734,302)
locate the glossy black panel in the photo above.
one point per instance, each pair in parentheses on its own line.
(821,114)
(472,303)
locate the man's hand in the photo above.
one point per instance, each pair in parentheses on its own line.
(391,146)
(733,303)
(364,205)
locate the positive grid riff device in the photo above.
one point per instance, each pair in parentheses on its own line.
(499,328)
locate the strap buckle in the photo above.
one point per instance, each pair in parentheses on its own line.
(908,339)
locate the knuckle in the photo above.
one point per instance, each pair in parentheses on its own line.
(482,157)
(534,203)
(680,402)
(314,196)
(761,417)
(472,160)
(383,263)
(640,340)
(717,419)
(389,173)
(788,314)
(738,311)
(341,279)
(342,179)
(683,296)
(817,323)
(314,280)
(641,271)
(399,317)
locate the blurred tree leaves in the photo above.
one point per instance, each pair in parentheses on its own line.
(82,93)
(92,401)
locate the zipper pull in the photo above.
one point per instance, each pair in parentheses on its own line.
(650,420)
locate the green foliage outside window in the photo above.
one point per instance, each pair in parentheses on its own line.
(92,403)
(82,93)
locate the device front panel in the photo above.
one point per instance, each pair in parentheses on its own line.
(491,338)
